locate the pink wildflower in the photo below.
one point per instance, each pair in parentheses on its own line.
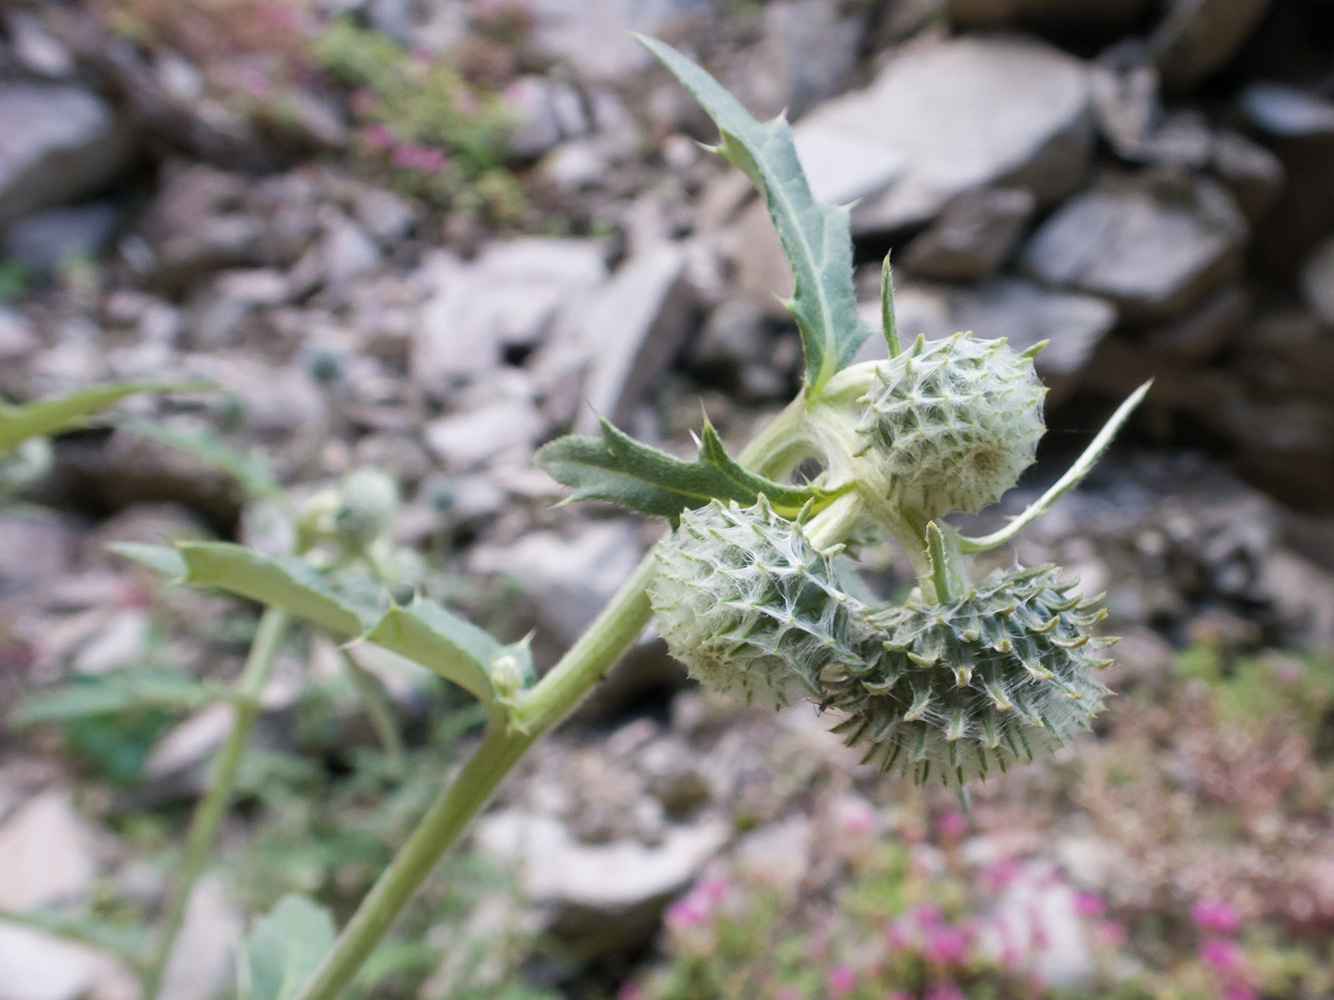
(712,890)
(630,991)
(377,136)
(1215,915)
(841,981)
(1225,956)
(1001,873)
(1089,904)
(1111,934)
(686,912)
(1238,991)
(946,946)
(944,991)
(925,915)
(954,824)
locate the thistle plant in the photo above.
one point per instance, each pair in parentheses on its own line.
(962,678)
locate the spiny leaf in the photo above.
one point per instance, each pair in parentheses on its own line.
(165,559)
(285,582)
(284,948)
(120,691)
(618,468)
(60,413)
(815,237)
(441,641)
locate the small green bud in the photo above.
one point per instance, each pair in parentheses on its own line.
(995,676)
(749,605)
(366,506)
(952,424)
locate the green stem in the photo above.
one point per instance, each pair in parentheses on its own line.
(208,815)
(507,739)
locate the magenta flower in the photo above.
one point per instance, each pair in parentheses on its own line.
(1111,934)
(712,890)
(841,981)
(954,824)
(925,915)
(686,912)
(377,136)
(1089,904)
(1225,956)
(944,991)
(946,946)
(1215,915)
(1001,873)
(1238,991)
(630,991)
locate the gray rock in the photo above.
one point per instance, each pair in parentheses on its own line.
(1252,173)
(36,48)
(57,143)
(594,35)
(807,51)
(468,439)
(632,330)
(202,962)
(508,298)
(974,236)
(963,114)
(1298,127)
(1152,246)
(46,240)
(17,338)
(598,898)
(46,854)
(568,579)
(547,111)
(1018,310)
(1202,334)
(1198,37)
(36,547)
(1317,281)
(735,334)
(1126,98)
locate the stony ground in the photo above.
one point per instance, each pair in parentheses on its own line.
(433,235)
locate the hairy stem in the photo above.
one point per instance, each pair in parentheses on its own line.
(508,737)
(211,809)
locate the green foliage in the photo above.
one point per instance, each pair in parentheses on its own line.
(438,136)
(1259,689)
(620,469)
(14,281)
(129,690)
(283,949)
(61,413)
(815,237)
(116,745)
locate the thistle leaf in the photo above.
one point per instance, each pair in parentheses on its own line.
(441,641)
(622,470)
(120,691)
(285,582)
(816,238)
(165,559)
(283,949)
(61,413)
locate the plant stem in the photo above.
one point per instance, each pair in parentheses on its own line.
(508,737)
(211,809)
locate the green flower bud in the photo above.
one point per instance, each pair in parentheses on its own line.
(952,424)
(749,605)
(366,506)
(993,677)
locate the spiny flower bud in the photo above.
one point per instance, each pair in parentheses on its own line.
(953,423)
(749,605)
(990,678)
(366,506)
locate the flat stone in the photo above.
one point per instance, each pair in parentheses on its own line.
(1197,38)
(46,240)
(1202,334)
(807,51)
(594,36)
(468,439)
(36,548)
(17,338)
(1317,281)
(568,579)
(57,143)
(974,236)
(1252,173)
(202,963)
(598,897)
(547,111)
(632,330)
(1154,248)
(37,966)
(968,113)
(45,854)
(1126,98)
(508,298)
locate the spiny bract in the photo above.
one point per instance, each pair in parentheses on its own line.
(749,605)
(953,423)
(958,688)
